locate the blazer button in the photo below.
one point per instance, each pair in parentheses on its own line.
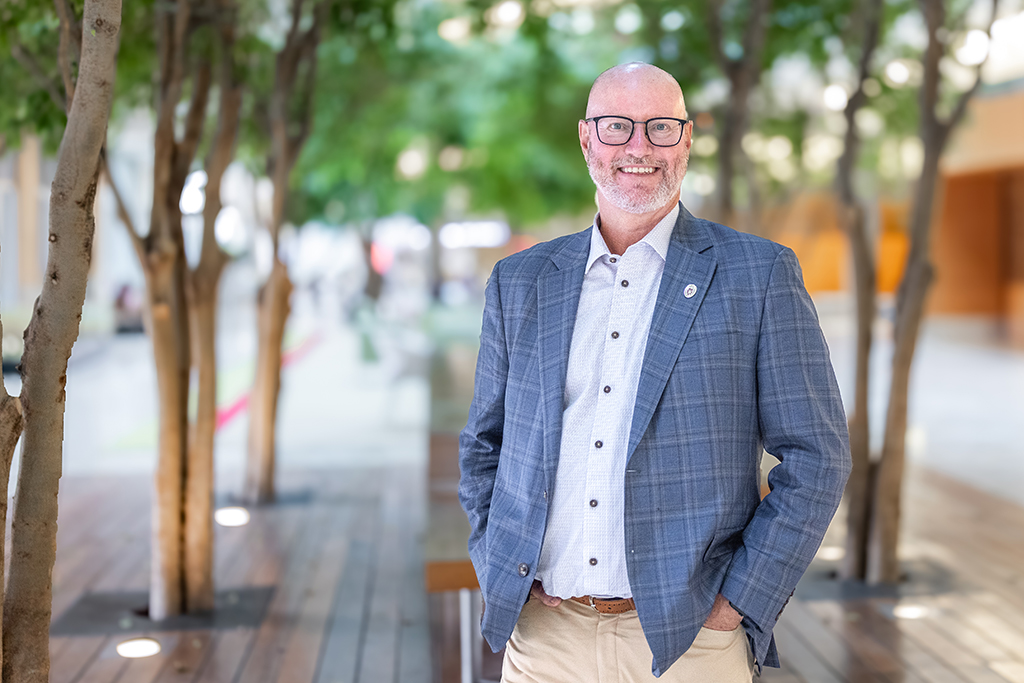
(524,569)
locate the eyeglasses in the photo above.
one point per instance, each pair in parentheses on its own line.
(617,130)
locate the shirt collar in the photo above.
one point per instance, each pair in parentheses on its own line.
(658,238)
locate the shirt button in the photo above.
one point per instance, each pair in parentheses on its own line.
(593,503)
(524,569)
(598,444)
(613,259)
(625,283)
(593,561)
(615,335)
(607,389)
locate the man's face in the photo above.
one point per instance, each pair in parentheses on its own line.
(636,177)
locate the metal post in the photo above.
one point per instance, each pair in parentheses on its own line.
(466,627)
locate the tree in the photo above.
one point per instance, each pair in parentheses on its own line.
(935,129)
(49,338)
(290,117)
(854,221)
(201,288)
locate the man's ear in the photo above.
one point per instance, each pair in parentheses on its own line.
(584,136)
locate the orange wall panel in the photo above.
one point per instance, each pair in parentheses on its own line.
(968,247)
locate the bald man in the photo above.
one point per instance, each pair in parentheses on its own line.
(629,378)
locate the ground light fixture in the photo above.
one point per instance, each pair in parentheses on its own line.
(231,516)
(137,648)
(910,611)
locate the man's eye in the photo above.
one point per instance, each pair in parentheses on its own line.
(614,126)
(661,127)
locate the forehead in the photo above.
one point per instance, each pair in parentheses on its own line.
(638,96)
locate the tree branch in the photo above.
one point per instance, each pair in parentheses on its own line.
(754,38)
(27,60)
(122,210)
(70,47)
(715,32)
(185,150)
(961,105)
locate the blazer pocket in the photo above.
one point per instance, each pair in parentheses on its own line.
(724,542)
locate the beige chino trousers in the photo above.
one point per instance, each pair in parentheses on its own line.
(573,642)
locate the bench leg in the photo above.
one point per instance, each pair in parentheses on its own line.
(470,638)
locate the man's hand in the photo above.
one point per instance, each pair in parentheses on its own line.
(537,591)
(723,617)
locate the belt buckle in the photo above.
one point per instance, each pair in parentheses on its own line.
(592,603)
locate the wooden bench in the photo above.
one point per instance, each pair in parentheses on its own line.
(447,564)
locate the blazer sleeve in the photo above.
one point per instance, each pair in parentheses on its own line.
(803,424)
(480,441)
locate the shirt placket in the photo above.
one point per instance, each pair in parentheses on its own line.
(609,434)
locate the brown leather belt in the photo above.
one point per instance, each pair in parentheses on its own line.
(607,606)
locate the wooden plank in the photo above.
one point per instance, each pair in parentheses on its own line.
(414,631)
(299,659)
(263,663)
(187,658)
(106,668)
(76,656)
(799,660)
(342,646)
(380,644)
(227,651)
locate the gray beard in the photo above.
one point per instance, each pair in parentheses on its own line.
(664,193)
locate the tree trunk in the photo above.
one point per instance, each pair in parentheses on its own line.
(883,560)
(859,486)
(273,309)
(48,342)
(743,75)
(203,284)
(199,482)
(852,217)
(10,432)
(166,327)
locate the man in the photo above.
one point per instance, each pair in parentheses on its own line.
(628,378)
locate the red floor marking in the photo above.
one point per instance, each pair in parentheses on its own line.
(227,413)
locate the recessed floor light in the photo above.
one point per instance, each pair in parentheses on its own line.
(910,611)
(137,648)
(231,516)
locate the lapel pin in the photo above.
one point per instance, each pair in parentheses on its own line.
(690,291)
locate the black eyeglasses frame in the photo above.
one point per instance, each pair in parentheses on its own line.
(647,132)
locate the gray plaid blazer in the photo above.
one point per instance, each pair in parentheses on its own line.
(740,366)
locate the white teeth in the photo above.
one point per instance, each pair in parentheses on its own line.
(634,169)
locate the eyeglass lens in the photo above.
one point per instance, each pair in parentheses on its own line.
(613,130)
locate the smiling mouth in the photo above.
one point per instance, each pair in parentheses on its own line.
(638,170)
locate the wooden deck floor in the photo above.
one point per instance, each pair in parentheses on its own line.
(344,558)
(349,605)
(969,547)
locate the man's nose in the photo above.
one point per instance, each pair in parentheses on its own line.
(638,141)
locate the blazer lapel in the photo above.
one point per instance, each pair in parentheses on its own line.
(686,268)
(558,297)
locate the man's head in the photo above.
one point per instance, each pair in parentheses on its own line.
(636,177)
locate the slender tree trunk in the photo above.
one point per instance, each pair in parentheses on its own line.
(200,472)
(49,338)
(10,432)
(883,561)
(273,310)
(203,284)
(290,121)
(883,558)
(859,488)
(743,75)
(165,325)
